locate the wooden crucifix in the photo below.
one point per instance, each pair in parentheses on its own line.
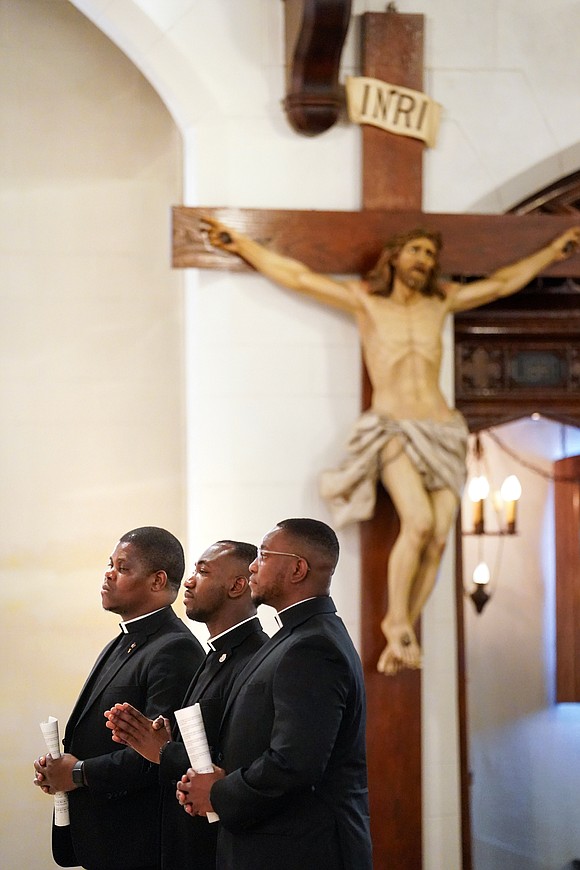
(348,243)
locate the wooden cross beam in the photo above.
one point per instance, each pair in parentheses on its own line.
(349,243)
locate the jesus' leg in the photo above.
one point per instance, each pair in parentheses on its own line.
(444,503)
(413,506)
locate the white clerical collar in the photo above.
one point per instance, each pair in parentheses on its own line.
(123,625)
(210,642)
(277,617)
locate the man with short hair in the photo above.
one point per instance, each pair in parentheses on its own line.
(217,594)
(150,664)
(292,792)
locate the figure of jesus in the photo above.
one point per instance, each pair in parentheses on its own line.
(410,438)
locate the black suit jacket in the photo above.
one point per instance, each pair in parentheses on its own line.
(114,821)
(187,841)
(293,743)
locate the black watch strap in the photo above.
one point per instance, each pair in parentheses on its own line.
(78,774)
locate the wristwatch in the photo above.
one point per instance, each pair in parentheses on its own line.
(78,776)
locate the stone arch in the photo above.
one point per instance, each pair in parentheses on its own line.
(135,34)
(542,176)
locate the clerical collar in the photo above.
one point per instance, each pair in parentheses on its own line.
(213,639)
(278,616)
(123,625)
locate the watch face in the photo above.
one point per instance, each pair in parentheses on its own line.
(77,774)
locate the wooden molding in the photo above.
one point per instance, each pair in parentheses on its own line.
(315,35)
(567,513)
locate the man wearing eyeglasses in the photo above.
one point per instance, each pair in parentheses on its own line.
(292,791)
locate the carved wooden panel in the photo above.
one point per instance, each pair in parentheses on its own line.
(539,371)
(520,357)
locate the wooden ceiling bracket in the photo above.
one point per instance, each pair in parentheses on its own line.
(315,35)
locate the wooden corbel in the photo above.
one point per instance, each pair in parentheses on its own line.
(315,35)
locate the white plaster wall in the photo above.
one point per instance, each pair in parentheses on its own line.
(273,381)
(92,409)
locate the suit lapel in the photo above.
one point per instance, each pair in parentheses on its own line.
(255,662)
(105,670)
(215,660)
(119,659)
(292,618)
(202,678)
(218,657)
(82,701)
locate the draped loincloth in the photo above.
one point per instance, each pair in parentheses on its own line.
(436,449)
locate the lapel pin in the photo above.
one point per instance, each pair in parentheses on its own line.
(222,658)
(131,648)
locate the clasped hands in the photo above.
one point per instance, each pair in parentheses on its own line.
(148,737)
(132,728)
(193,790)
(55,774)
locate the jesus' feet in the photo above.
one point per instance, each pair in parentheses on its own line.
(402,649)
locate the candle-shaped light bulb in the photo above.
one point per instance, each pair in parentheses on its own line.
(477,492)
(511,490)
(481,574)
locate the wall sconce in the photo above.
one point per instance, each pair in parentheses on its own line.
(504,502)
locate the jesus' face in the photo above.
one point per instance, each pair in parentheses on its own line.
(415,262)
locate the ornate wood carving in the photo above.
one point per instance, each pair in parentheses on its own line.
(507,368)
(521,355)
(315,35)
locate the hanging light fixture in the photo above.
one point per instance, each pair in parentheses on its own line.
(504,499)
(481,577)
(504,502)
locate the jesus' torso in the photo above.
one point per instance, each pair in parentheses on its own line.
(402,346)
